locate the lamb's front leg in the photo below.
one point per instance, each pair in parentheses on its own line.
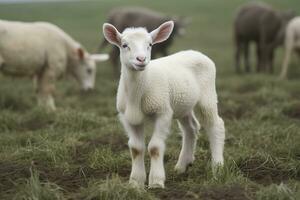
(137,149)
(45,87)
(156,149)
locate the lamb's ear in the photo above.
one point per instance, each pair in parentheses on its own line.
(100,57)
(163,32)
(80,53)
(111,34)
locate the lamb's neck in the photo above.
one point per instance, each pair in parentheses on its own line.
(71,60)
(133,82)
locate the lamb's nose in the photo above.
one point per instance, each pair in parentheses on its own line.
(141,58)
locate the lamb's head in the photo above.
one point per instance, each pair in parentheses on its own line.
(84,68)
(135,44)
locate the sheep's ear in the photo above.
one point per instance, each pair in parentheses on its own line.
(163,32)
(111,34)
(80,53)
(100,57)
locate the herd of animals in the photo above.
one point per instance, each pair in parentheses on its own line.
(159,89)
(267,28)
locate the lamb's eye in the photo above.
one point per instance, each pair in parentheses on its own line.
(150,44)
(124,46)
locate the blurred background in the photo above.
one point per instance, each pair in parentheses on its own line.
(80,151)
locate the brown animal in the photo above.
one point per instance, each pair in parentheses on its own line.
(263,25)
(124,17)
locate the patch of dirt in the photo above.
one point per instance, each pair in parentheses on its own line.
(76,177)
(171,192)
(70,180)
(265,172)
(234,192)
(116,143)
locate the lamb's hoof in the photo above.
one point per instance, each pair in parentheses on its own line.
(157,183)
(136,184)
(181,168)
(217,168)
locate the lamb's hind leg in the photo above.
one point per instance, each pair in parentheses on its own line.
(137,149)
(156,150)
(214,127)
(189,127)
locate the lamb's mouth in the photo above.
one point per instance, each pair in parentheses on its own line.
(139,67)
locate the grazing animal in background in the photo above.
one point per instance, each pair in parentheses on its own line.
(161,89)
(44,52)
(291,43)
(259,23)
(124,17)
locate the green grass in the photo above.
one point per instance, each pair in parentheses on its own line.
(80,151)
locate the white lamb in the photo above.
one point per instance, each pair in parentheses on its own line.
(159,90)
(291,43)
(44,52)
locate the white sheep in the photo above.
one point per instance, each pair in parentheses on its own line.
(291,43)
(160,90)
(44,52)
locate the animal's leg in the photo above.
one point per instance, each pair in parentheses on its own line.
(239,49)
(271,59)
(156,149)
(246,55)
(263,50)
(137,149)
(189,127)
(216,133)
(45,89)
(214,126)
(286,61)
(258,58)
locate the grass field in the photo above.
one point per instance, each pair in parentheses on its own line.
(80,151)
